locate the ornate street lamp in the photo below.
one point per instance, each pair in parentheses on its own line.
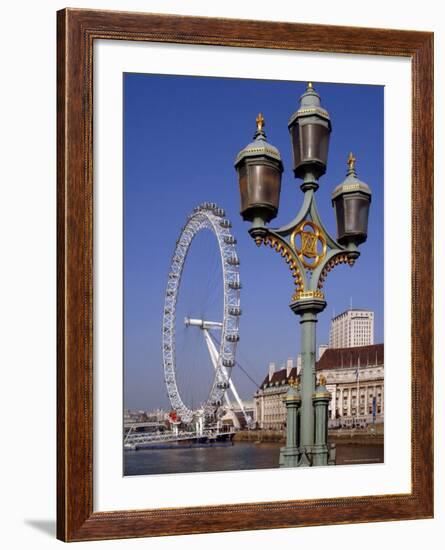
(308,249)
(259,169)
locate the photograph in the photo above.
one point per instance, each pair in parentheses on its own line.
(236,358)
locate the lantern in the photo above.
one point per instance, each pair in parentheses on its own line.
(259,168)
(351,200)
(310,128)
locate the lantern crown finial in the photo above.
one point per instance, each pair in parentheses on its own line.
(351,164)
(259,146)
(310,98)
(351,183)
(260,122)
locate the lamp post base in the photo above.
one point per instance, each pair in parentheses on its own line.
(305,458)
(289,457)
(320,455)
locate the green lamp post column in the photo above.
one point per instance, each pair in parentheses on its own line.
(290,453)
(307,309)
(321,398)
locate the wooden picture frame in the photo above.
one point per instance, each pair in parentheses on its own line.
(77,31)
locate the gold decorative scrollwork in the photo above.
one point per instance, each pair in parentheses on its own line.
(308,251)
(339,259)
(287,253)
(307,294)
(294,382)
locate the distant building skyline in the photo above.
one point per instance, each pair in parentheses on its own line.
(352,328)
(359,336)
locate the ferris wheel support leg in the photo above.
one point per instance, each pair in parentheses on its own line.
(199,426)
(214,356)
(238,399)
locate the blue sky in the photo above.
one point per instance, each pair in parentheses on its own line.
(181,136)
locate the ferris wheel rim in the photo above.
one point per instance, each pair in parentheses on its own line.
(205,216)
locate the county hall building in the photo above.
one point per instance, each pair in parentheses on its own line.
(354,377)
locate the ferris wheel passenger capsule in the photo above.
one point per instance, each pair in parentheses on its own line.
(233,260)
(234,285)
(230,239)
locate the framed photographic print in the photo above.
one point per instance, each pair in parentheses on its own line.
(204,383)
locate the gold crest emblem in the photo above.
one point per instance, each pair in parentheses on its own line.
(309,244)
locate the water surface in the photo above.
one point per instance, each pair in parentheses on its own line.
(240,456)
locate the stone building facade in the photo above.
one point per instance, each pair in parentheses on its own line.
(349,372)
(355,379)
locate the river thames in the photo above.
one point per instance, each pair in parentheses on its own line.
(240,456)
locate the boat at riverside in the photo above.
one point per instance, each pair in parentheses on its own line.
(134,441)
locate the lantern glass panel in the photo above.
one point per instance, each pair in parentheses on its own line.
(352,218)
(310,142)
(264,185)
(295,137)
(356,214)
(340,217)
(316,141)
(242,177)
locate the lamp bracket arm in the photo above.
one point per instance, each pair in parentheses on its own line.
(315,279)
(331,242)
(333,258)
(305,209)
(276,241)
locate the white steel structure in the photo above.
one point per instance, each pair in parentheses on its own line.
(206,326)
(207,216)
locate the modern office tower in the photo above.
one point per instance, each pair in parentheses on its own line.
(352,328)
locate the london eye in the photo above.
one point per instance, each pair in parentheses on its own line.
(220,335)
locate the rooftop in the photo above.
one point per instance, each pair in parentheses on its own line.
(334,358)
(350,357)
(357,310)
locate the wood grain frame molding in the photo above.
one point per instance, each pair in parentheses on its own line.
(77,31)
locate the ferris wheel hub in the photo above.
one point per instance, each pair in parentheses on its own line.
(205,325)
